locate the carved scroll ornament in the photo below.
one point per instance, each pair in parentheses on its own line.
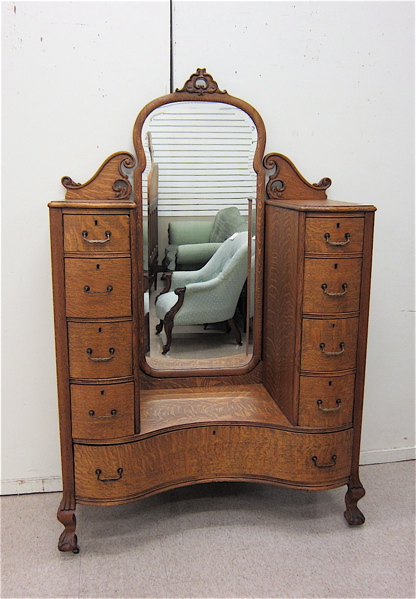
(201,83)
(288,184)
(108,184)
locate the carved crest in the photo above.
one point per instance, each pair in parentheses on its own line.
(201,83)
(109,182)
(288,184)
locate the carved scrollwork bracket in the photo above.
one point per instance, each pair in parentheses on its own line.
(288,184)
(201,83)
(108,184)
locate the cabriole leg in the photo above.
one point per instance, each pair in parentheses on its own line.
(352,514)
(68,540)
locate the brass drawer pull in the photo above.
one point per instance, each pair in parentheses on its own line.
(111,351)
(333,462)
(337,243)
(338,402)
(110,415)
(332,353)
(85,235)
(87,289)
(98,472)
(335,294)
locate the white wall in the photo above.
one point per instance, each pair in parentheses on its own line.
(334,82)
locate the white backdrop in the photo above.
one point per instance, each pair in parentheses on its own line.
(334,82)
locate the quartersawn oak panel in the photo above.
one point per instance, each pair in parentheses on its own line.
(206,453)
(331,332)
(283,306)
(98,274)
(96,226)
(332,272)
(100,337)
(168,408)
(327,389)
(337,228)
(102,400)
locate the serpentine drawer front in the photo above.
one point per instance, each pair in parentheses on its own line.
(117,472)
(96,233)
(337,235)
(97,287)
(102,411)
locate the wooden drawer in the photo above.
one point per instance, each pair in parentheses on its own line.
(324,234)
(96,233)
(326,401)
(332,285)
(97,288)
(99,350)
(112,473)
(102,411)
(329,344)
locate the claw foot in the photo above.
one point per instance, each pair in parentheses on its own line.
(68,540)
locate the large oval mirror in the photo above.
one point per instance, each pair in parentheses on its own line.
(198,182)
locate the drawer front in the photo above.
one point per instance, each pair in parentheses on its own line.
(334,235)
(99,350)
(119,472)
(96,233)
(97,288)
(332,285)
(326,401)
(102,412)
(329,344)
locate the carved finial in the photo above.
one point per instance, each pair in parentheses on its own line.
(201,83)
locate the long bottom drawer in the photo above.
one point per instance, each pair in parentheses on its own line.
(116,473)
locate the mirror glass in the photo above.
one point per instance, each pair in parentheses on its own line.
(199,209)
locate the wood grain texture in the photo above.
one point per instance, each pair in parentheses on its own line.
(98,287)
(333,273)
(286,183)
(329,390)
(337,229)
(109,183)
(282,306)
(207,453)
(103,400)
(331,332)
(100,337)
(169,408)
(96,226)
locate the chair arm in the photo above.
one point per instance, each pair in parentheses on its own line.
(196,253)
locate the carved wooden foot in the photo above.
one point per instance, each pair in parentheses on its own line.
(68,540)
(352,514)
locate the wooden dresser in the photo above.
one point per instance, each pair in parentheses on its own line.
(289,414)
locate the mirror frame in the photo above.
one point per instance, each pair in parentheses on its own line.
(201,87)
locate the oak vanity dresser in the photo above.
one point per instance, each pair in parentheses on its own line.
(285,408)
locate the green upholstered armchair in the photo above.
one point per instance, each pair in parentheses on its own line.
(193,243)
(207,295)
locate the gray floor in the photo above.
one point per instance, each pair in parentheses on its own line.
(219,540)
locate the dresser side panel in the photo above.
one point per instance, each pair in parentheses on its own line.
(283,282)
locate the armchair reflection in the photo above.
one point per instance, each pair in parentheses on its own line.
(149,423)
